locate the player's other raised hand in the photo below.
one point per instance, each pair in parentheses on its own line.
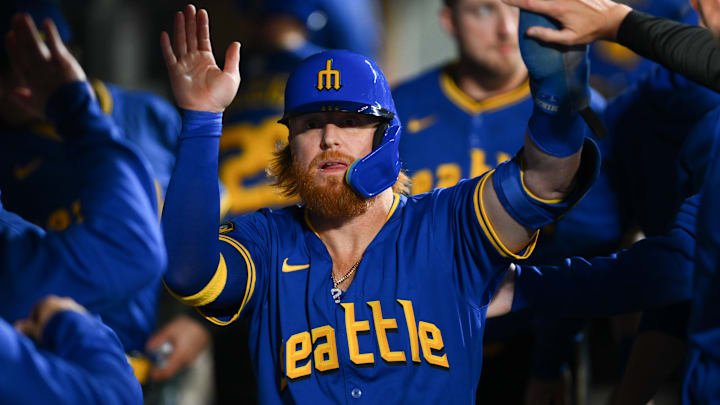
(41,67)
(197,82)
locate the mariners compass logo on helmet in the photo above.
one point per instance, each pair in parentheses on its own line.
(368,92)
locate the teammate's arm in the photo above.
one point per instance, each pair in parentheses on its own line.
(116,248)
(78,360)
(201,267)
(557,165)
(653,272)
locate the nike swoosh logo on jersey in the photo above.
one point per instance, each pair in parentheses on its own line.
(287,268)
(22,172)
(418,124)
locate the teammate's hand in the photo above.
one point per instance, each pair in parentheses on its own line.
(188,338)
(42,312)
(582,21)
(42,67)
(197,82)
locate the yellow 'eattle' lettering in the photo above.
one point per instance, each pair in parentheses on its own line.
(295,354)
(325,354)
(352,328)
(381,325)
(421,335)
(430,338)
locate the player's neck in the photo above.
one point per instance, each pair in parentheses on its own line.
(347,239)
(481,84)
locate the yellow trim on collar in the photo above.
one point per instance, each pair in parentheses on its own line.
(472,106)
(210,292)
(103,94)
(396,200)
(488,229)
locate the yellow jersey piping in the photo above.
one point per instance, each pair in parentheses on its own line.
(472,106)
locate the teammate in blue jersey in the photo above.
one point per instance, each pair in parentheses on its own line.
(361,289)
(464,117)
(115,249)
(34,160)
(700,385)
(67,357)
(689,51)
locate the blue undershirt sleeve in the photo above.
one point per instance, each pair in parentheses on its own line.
(201,261)
(656,271)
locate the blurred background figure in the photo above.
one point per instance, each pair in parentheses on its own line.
(66,356)
(615,67)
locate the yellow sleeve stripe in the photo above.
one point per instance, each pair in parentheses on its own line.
(249,287)
(210,292)
(533,196)
(487,226)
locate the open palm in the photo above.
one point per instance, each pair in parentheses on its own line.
(197,82)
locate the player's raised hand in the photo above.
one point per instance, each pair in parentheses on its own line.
(42,67)
(582,21)
(197,82)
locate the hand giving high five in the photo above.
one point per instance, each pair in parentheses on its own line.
(197,82)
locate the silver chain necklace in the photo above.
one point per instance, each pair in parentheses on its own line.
(336,292)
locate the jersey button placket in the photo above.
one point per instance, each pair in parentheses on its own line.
(356,393)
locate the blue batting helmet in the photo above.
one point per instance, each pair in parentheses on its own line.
(339,80)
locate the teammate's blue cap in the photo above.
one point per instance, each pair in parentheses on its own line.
(339,80)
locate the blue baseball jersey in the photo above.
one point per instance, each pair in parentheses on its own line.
(34,160)
(103,255)
(413,316)
(448,136)
(703,371)
(79,361)
(661,131)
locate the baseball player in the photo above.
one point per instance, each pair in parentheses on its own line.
(360,293)
(115,248)
(690,51)
(34,161)
(462,118)
(70,358)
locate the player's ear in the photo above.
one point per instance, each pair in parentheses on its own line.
(446,20)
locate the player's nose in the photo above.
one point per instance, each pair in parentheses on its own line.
(331,136)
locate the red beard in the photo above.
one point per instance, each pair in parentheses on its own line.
(334,198)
